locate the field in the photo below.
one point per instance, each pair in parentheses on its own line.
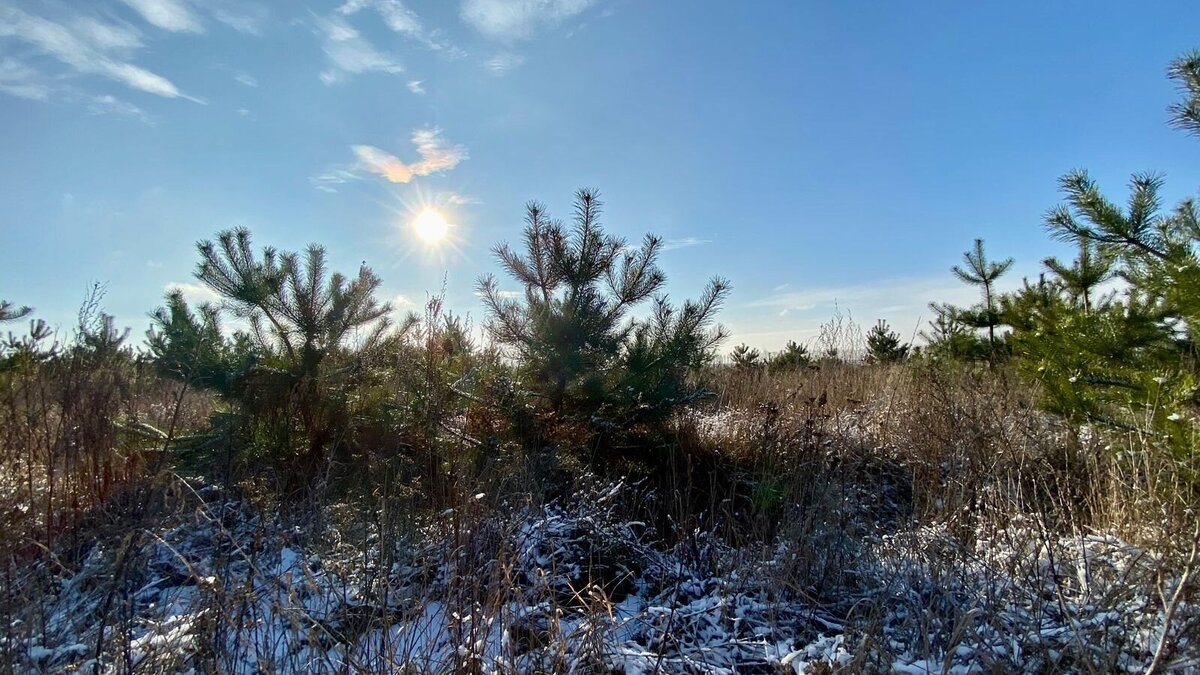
(838,518)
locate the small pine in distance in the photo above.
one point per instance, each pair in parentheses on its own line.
(884,345)
(793,357)
(982,272)
(745,357)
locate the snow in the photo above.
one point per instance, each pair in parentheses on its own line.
(573,587)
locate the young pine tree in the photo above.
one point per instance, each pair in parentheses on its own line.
(949,337)
(297,311)
(793,357)
(745,358)
(1080,279)
(1136,353)
(190,346)
(301,319)
(983,273)
(884,345)
(572,328)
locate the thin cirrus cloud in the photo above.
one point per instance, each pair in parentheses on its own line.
(518,19)
(333,178)
(18,79)
(400,19)
(173,15)
(349,53)
(685,242)
(107,104)
(88,47)
(181,16)
(503,62)
(393,12)
(246,18)
(436,155)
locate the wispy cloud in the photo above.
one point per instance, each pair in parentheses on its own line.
(393,12)
(248,18)
(416,86)
(509,295)
(172,15)
(503,62)
(398,17)
(456,199)
(436,156)
(246,79)
(108,104)
(685,242)
(348,52)
(518,19)
(187,16)
(107,36)
(18,79)
(88,47)
(333,178)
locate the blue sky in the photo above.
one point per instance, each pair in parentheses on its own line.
(813,153)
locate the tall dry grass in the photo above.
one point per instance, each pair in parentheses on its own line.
(928,509)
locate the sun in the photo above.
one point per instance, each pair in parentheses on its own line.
(431,226)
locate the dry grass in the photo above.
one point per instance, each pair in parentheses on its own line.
(919,513)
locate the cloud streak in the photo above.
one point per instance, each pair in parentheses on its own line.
(247,19)
(108,104)
(18,79)
(333,178)
(436,156)
(349,53)
(685,242)
(400,19)
(88,47)
(173,15)
(393,12)
(503,62)
(518,19)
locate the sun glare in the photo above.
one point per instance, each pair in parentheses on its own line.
(431,226)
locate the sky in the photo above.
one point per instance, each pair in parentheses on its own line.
(823,156)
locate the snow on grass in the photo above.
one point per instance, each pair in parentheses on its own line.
(573,587)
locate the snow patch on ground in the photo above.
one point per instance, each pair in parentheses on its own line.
(572,587)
